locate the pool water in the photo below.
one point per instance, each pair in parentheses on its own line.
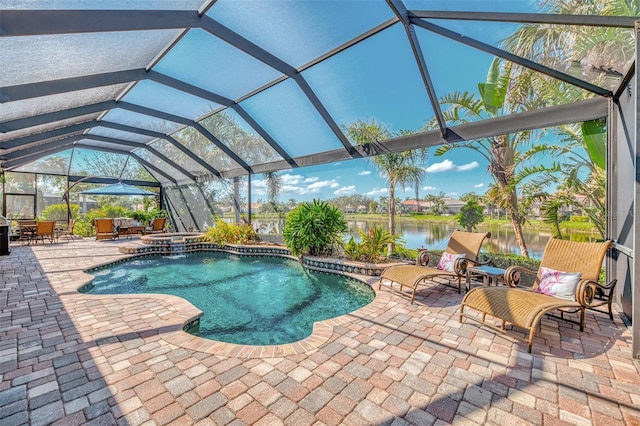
(251,301)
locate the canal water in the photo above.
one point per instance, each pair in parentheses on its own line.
(434,235)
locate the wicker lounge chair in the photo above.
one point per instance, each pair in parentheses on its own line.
(524,307)
(105,229)
(460,243)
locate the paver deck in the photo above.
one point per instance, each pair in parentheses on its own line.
(70,358)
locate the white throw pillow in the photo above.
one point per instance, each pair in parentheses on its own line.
(448,260)
(559,284)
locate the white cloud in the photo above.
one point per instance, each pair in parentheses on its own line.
(480,185)
(429,188)
(364,173)
(377,191)
(311,179)
(317,186)
(345,190)
(448,166)
(258,184)
(289,179)
(468,166)
(293,189)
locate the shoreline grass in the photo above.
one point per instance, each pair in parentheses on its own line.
(585,227)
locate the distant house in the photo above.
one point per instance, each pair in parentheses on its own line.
(415,206)
(535,209)
(349,209)
(85,203)
(453,206)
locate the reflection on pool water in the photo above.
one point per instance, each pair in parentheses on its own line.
(245,300)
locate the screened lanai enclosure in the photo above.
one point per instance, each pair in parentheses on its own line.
(194,98)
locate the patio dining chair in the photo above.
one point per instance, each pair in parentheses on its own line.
(68,232)
(45,229)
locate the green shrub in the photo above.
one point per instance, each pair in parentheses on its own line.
(372,244)
(227,233)
(107,211)
(314,228)
(59,212)
(352,249)
(402,252)
(82,228)
(578,218)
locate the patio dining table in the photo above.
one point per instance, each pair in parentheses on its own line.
(26,232)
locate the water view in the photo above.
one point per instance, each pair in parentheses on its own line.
(435,235)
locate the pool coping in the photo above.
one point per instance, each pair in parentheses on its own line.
(188,313)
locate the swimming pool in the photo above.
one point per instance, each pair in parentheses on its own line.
(245,300)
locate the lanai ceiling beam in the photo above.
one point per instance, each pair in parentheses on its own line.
(156,169)
(8,165)
(401,12)
(187,122)
(46,22)
(68,140)
(20,92)
(158,135)
(50,117)
(529,18)
(218,30)
(213,97)
(511,57)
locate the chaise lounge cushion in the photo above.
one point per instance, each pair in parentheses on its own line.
(448,261)
(559,284)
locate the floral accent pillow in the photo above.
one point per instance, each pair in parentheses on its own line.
(448,260)
(558,284)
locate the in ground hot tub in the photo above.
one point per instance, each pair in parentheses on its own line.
(173,243)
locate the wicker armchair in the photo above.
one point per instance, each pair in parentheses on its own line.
(157,226)
(467,243)
(524,307)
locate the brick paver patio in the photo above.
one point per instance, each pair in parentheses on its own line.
(68,358)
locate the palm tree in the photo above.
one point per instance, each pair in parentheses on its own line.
(400,168)
(582,183)
(598,54)
(501,152)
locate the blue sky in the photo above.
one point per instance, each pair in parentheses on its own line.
(359,85)
(376,79)
(457,173)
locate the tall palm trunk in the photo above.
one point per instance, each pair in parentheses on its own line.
(392,215)
(514,215)
(502,168)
